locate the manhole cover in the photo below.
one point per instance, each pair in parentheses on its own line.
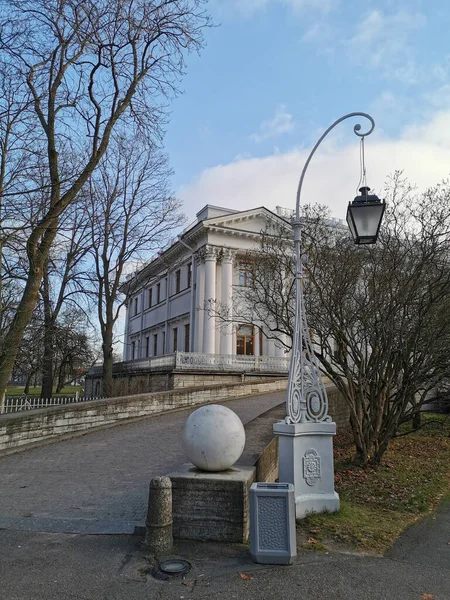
(175,566)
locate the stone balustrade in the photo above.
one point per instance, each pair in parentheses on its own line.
(201,361)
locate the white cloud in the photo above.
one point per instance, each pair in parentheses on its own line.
(396,27)
(252,6)
(422,152)
(440,97)
(318,33)
(282,122)
(382,41)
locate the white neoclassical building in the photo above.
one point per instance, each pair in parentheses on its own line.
(167,298)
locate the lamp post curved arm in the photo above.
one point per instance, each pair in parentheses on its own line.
(306,395)
(356,129)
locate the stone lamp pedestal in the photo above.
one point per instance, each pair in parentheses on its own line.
(305,453)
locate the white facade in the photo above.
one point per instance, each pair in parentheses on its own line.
(167,298)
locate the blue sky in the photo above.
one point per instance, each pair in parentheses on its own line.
(275,73)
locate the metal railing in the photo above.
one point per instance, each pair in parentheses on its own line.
(19,403)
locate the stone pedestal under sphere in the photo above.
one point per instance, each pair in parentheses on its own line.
(213,438)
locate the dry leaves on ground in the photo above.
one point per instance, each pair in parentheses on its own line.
(245,575)
(427,597)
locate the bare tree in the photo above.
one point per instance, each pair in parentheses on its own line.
(16,164)
(28,364)
(379,315)
(74,348)
(131,213)
(88,65)
(62,283)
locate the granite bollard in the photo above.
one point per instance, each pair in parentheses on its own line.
(158,534)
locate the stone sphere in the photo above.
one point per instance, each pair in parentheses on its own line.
(213,438)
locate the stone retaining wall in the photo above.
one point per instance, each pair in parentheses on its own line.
(338,408)
(18,429)
(139,382)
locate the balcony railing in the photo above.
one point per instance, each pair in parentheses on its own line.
(186,361)
(231,362)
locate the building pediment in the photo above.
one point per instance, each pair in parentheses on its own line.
(239,220)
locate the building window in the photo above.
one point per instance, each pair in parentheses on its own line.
(158,293)
(189,275)
(246,274)
(135,306)
(147,346)
(164,342)
(150,297)
(175,339)
(133,350)
(155,344)
(177,281)
(187,331)
(244,340)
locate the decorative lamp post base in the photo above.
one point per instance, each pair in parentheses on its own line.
(305,459)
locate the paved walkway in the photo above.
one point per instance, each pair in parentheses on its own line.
(37,566)
(98,483)
(109,467)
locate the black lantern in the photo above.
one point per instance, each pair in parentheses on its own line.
(364,217)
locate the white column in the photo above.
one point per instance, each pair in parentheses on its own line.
(279,349)
(256,348)
(270,348)
(226,333)
(209,330)
(199,302)
(218,323)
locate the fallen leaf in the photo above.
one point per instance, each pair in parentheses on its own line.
(311,540)
(189,583)
(427,597)
(245,575)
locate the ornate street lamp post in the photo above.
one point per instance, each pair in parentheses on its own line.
(306,434)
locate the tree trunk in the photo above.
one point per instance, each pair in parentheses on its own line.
(107,348)
(362,452)
(26,389)
(38,256)
(1,284)
(417,420)
(61,376)
(47,362)
(15,333)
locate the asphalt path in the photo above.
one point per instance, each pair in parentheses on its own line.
(105,475)
(98,483)
(44,566)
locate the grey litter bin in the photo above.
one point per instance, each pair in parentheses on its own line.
(272,523)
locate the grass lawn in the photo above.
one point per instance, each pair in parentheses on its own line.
(18,390)
(377,504)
